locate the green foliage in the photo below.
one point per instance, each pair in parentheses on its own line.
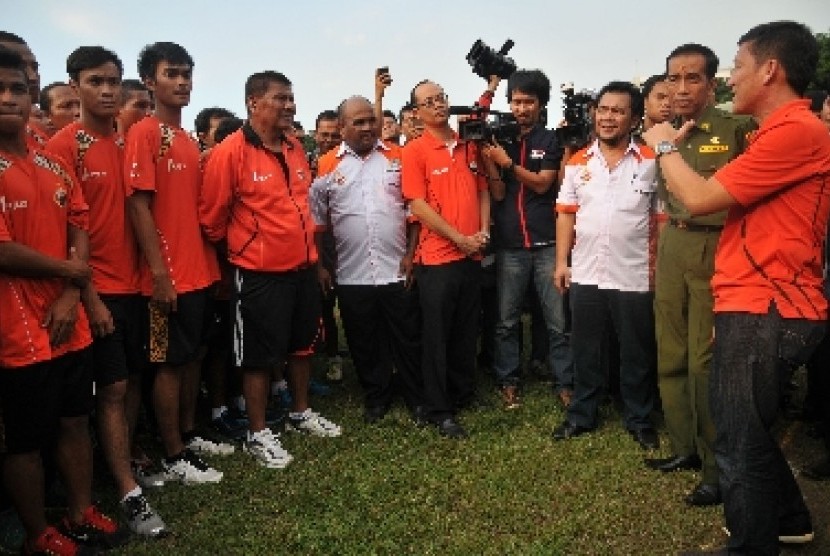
(723,93)
(822,78)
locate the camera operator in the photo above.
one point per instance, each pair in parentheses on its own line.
(521,175)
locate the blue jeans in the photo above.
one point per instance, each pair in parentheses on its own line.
(631,314)
(514,270)
(760,495)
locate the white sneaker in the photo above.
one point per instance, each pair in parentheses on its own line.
(189,469)
(265,446)
(312,423)
(335,369)
(205,447)
(141,518)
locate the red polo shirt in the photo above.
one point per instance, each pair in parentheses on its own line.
(771,245)
(449,180)
(38,200)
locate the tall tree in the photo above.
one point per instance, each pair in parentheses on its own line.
(821,80)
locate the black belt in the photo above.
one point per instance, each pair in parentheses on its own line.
(692,227)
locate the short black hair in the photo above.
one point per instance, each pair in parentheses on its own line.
(297,125)
(202,122)
(817,99)
(711,60)
(45,102)
(130,85)
(9,59)
(226,127)
(637,103)
(789,42)
(390,114)
(408,107)
(531,82)
(152,54)
(7,36)
(649,84)
(258,83)
(88,57)
(325,115)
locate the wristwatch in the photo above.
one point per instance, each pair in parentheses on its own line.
(665,147)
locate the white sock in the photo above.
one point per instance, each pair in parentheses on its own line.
(217,412)
(134,492)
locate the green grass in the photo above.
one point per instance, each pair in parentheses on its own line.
(393,488)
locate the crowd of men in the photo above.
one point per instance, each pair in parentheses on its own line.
(687,243)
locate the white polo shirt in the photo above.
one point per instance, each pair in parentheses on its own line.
(360,198)
(616,217)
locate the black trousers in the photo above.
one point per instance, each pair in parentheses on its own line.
(383,329)
(630,314)
(450,307)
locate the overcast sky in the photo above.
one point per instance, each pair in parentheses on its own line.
(329,49)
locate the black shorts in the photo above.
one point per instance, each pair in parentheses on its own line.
(124,352)
(35,397)
(175,338)
(276,314)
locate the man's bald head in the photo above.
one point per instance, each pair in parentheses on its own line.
(358,124)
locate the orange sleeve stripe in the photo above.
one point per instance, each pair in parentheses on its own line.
(567,209)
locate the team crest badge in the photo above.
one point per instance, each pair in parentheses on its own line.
(705,126)
(338,178)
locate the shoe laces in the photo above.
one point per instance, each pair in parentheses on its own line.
(137,507)
(194,460)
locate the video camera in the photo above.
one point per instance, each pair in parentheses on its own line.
(486,62)
(576,111)
(483,124)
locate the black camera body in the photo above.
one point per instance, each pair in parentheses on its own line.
(483,124)
(486,62)
(576,111)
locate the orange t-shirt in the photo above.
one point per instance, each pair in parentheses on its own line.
(165,161)
(771,245)
(260,206)
(99,168)
(449,182)
(39,199)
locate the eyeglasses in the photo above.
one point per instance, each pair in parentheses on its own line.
(432,101)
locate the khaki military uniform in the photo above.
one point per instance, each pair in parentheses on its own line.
(683,297)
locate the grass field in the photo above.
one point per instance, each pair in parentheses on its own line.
(393,488)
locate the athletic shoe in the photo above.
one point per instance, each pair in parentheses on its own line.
(334,373)
(227,426)
(312,423)
(96,530)
(54,543)
(141,518)
(189,469)
(204,447)
(145,474)
(265,446)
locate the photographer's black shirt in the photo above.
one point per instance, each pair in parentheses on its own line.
(524,219)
